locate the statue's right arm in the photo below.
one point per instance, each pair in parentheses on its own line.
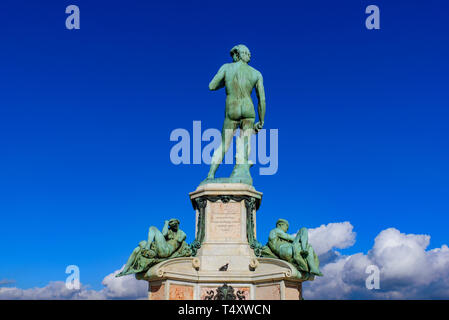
(218,80)
(261,106)
(165,228)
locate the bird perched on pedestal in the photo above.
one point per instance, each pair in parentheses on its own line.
(224,268)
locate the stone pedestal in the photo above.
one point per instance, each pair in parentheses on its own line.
(224,253)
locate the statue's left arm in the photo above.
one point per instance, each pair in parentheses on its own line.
(260,92)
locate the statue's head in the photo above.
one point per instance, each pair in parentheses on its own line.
(240,52)
(282,224)
(173,224)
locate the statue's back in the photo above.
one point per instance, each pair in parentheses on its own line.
(240,80)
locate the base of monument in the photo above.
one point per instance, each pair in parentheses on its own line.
(225,262)
(184,279)
(244,180)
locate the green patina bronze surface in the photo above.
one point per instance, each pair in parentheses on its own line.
(292,248)
(239,79)
(200,205)
(160,246)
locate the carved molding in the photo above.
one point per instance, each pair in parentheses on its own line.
(225,292)
(251,204)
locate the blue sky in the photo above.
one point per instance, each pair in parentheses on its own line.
(86,116)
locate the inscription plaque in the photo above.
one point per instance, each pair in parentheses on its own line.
(225,221)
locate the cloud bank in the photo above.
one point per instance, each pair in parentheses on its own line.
(126,287)
(408,270)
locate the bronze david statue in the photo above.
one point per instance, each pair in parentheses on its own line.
(240,80)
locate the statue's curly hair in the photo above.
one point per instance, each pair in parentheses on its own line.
(171,221)
(241,50)
(282,220)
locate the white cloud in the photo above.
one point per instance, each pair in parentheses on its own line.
(407,269)
(126,287)
(333,235)
(55,290)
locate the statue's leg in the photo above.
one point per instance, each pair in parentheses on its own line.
(152,232)
(312,261)
(301,245)
(163,249)
(304,235)
(229,127)
(130,262)
(286,252)
(244,141)
(242,165)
